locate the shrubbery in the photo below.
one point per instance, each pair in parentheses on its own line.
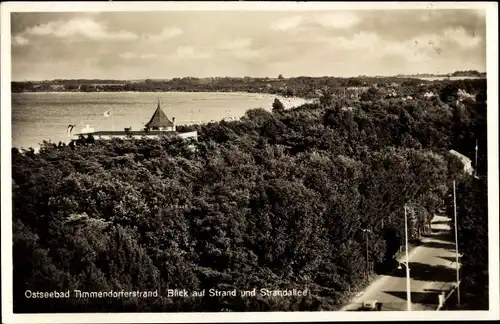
(275,200)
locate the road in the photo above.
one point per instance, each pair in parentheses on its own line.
(432,270)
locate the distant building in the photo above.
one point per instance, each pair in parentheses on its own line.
(429,94)
(159,121)
(158,125)
(57,87)
(465,161)
(462,95)
(125,134)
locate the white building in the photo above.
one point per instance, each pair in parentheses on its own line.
(158,125)
(465,160)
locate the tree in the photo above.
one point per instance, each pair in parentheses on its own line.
(370,95)
(472,217)
(278,106)
(271,200)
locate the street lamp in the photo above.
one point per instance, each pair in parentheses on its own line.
(366,231)
(456,242)
(408,291)
(475,163)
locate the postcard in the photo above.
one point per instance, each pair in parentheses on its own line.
(249,161)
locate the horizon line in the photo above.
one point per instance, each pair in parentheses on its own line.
(253,77)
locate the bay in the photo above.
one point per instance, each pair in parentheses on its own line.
(39,116)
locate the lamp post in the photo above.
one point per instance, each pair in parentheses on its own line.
(408,288)
(408,293)
(456,243)
(366,231)
(475,162)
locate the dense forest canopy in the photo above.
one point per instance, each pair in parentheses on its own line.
(275,200)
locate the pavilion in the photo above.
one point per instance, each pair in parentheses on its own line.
(158,125)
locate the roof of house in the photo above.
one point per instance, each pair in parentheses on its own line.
(159,119)
(464,158)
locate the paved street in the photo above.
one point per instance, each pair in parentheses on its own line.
(432,270)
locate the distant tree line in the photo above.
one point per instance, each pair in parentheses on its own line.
(275,200)
(299,87)
(469,73)
(306,87)
(465,73)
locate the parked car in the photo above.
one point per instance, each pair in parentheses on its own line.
(371,305)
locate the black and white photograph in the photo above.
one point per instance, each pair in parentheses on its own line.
(249,161)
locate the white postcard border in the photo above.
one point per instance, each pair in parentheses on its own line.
(6,202)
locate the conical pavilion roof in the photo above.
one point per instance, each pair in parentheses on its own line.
(159,119)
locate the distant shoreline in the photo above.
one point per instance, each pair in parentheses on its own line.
(274,94)
(282,98)
(442,77)
(149,92)
(296,87)
(167,91)
(474,74)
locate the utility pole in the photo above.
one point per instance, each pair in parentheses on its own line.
(367,259)
(408,292)
(456,243)
(366,235)
(366,231)
(475,164)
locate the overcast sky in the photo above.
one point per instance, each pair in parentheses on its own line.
(138,45)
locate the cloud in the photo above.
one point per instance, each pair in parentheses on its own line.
(287,23)
(187,52)
(148,56)
(128,55)
(239,48)
(481,13)
(83,27)
(361,41)
(166,33)
(416,50)
(144,56)
(339,20)
(336,20)
(247,53)
(341,42)
(428,47)
(419,48)
(20,40)
(236,44)
(460,37)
